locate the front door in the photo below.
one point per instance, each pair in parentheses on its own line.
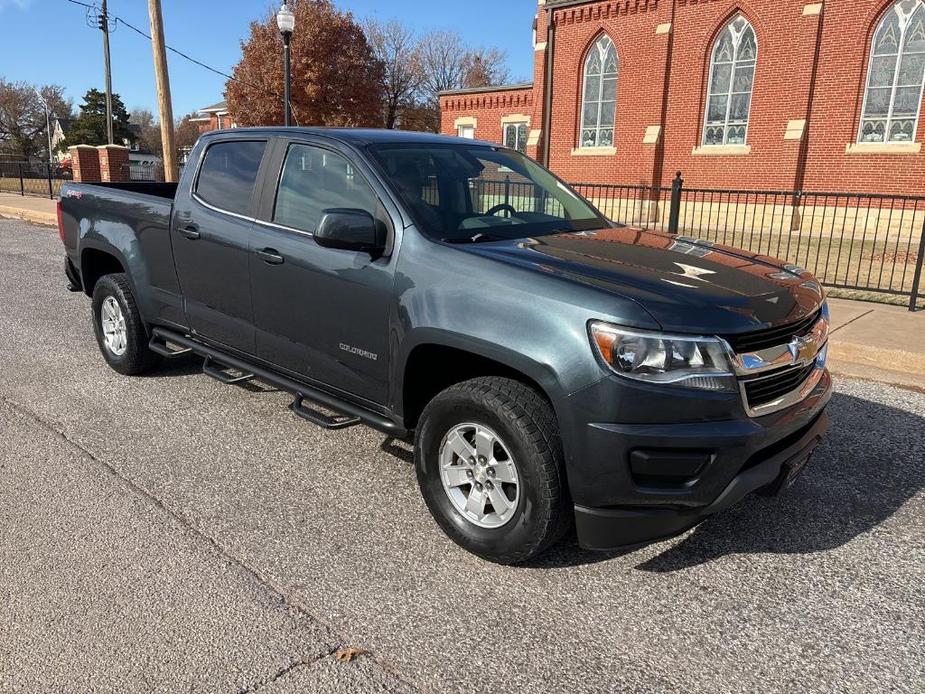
(211,243)
(321,313)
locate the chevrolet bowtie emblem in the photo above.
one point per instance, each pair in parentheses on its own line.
(796,347)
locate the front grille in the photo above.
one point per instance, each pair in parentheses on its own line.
(771,337)
(760,391)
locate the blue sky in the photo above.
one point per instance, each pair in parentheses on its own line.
(48,41)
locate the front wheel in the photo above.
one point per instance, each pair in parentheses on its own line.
(120,331)
(489,465)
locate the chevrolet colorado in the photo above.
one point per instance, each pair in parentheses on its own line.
(553,368)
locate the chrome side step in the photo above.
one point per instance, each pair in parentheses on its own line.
(218,364)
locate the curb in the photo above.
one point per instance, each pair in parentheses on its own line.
(43,218)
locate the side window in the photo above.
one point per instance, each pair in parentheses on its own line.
(315,180)
(228,174)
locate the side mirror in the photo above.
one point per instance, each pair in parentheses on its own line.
(350,230)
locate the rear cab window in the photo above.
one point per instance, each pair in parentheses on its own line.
(228,175)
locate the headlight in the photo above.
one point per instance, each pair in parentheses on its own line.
(680,360)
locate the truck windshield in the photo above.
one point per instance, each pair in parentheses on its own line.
(472,193)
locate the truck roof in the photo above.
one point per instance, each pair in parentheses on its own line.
(358,136)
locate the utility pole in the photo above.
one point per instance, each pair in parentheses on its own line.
(162,79)
(104,27)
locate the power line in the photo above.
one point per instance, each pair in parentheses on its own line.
(232,78)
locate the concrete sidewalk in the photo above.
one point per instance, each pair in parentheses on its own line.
(31,208)
(878,342)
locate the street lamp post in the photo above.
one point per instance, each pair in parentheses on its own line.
(285,20)
(47,122)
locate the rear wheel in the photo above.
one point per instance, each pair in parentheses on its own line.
(489,464)
(120,332)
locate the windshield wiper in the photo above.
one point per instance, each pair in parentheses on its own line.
(478,238)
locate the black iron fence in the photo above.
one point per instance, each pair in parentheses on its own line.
(32,178)
(146,172)
(857,241)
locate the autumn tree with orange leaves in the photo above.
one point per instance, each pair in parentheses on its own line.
(336,80)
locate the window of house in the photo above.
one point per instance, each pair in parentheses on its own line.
(515,136)
(315,180)
(599,95)
(895,75)
(228,174)
(732,76)
(221,121)
(466,131)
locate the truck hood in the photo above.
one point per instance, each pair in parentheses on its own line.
(686,285)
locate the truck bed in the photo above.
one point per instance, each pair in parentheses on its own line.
(158,190)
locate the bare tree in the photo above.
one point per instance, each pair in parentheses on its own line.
(397,47)
(149,130)
(447,63)
(22,115)
(443,56)
(485,67)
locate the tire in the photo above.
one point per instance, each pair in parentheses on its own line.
(130,356)
(527,435)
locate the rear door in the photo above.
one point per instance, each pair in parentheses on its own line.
(211,242)
(321,313)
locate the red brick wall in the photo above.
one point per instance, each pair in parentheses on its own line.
(85,163)
(487,108)
(787,41)
(114,163)
(642,54)
(838,102)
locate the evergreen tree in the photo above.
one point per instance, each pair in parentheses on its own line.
(89,128)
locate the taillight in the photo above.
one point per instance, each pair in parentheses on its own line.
(60,221)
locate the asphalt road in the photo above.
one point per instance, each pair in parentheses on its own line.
(168,533)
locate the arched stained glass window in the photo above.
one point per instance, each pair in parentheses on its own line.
(732,75)
(599,96)
(895,75)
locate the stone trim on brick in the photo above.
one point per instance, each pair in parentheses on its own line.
(594,151)
(516,118)
(883,148)
(721,150)
(795,129)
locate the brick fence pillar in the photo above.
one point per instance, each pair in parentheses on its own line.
(114,163)
(85,163)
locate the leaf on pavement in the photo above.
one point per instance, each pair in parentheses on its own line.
(345,655)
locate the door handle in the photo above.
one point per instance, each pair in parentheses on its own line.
(270,256)
(190,231)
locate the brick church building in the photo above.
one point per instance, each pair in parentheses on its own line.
(745,94)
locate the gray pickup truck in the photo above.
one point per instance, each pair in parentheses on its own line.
(554,369)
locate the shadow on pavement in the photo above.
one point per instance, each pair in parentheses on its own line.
(191,365)
(871,462)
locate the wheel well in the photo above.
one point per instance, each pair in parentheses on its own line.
(433,368)
(95,264)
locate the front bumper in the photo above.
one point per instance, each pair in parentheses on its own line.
(616,506)
(612,528)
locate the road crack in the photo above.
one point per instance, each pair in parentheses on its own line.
(279,592)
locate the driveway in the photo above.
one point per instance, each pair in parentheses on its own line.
(169,533)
